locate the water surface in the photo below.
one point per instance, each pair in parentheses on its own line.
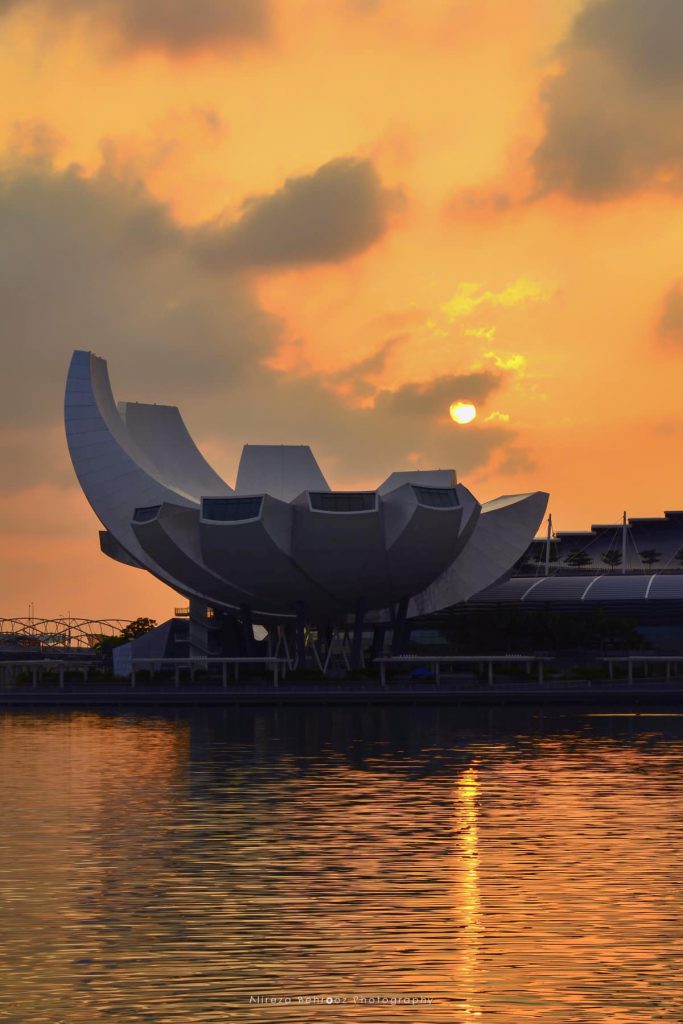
(371,864)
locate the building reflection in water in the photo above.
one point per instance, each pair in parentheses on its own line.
(168,869)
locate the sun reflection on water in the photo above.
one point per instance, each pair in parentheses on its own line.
(466,902)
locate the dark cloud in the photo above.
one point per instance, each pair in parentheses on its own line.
(435,396)
(670,324)
(644,40)
(33,139)
(336,212)
(357,377)
(181,25)
(613,121)
(375,362)
(355,444)
(96,264)
(174,25)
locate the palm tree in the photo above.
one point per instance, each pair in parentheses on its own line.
(612,558)
(578,559)
(649,557)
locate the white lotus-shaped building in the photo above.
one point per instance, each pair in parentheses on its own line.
(281,544)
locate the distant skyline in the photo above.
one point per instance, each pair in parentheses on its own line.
(327,223)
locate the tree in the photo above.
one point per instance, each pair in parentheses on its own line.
(649,557)
(612,558)
(136,628)
(578,559)
(105,643)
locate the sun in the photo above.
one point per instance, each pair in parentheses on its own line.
(462,412)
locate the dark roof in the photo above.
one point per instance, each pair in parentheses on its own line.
(599,588)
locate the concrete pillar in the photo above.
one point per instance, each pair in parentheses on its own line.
(247,631)
(399,638)
(198,627)
(300,634)
(357,646)
(377,646)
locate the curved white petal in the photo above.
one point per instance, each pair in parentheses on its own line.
(420,477)
(171,539)
(281,470)
(115,473)
(501,535)
(160,432)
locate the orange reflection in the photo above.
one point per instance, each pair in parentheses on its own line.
(466,896)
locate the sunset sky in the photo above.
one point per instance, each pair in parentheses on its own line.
(324,221)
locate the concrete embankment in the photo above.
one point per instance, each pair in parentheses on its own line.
(263,692)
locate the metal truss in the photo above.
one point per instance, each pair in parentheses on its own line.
(60,633)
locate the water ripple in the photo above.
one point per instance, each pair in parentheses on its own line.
(341,864)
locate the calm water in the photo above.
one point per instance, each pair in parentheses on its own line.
(409,864)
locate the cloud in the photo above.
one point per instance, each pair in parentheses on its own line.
(481,332)
(515,363)
(33,139)
(356,378)
(644,42)
(612,116)
(670,324)
(516,460)
(95,263)
(469,296)
(479,200)
(177,26)
(336,212)
(435,396)
(362,445)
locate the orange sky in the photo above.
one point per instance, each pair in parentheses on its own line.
(522,165)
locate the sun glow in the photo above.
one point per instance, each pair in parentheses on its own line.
(462,412)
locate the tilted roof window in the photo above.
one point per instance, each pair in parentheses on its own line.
(146,514)
(343,501)
(437,497)
(231,510)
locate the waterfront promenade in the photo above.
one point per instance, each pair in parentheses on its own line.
(360,692)
(406,679)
